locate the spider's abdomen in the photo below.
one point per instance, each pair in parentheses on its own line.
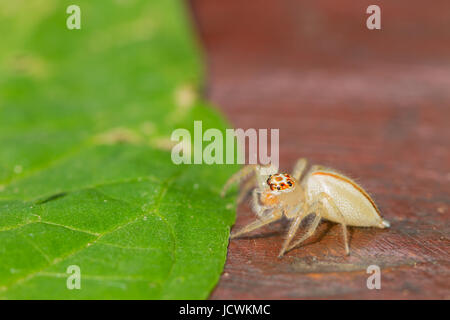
(353,202)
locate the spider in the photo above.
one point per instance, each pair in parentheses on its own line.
(323,191)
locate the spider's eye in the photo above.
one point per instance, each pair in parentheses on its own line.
(281,182)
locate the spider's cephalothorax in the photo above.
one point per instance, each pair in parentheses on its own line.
(281,182)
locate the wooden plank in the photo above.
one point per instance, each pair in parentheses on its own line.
(372,104)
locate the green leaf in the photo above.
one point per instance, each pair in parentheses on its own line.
(86,176)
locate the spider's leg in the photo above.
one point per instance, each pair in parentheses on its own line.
(245,172)
(299,215)
(271,217)
(256,206)
(319,208)
(299,168)
(316,208)
(245,189)
(330,200)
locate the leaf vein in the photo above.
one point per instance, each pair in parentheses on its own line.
(30,276)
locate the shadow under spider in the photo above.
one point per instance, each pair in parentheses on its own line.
(320,233)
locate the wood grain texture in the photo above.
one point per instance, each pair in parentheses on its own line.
(372,104)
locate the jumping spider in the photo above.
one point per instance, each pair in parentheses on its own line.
(323,191)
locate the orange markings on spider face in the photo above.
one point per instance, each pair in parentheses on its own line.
(269,199)
(280,182)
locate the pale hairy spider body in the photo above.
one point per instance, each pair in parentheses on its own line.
(321,191)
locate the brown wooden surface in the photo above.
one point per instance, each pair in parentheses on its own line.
(373,104)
